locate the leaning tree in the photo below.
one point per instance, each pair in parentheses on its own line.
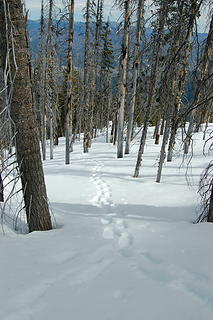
(15,60)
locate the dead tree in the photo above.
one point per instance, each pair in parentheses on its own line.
(42,100)
(123,77)
(98,12)
(154,76)
(175,74)
(106,68)
(206,193)
(204,85)
(87,134)
(68,130)
(184,61)
(136,68)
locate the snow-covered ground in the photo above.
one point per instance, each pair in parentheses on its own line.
(124,248)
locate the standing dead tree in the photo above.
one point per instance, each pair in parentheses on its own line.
(123,76)
(68,129)
(184,50)
(87,111)
(206,193)
(51,75)
(204,88)
(107,60)
(154,77)
(98,15)
(175,73)
(42,82)
(136,69)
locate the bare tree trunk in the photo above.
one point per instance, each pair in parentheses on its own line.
(1,189)
(23,115)
(79,111)
(206,127)
(86,82)
(157,126)
(188,137)
(156,134)
(115,129)
(181,76)
(208,52)
(210,212)
(49,74)
(108,103)
(123,78)
(68,128)
(163,146)
(51,135)
(157,138)
(136,68)
(162,125)
(42,85)
(94,69)
(112,130)
(153,82)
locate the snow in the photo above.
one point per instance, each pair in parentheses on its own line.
(124,248)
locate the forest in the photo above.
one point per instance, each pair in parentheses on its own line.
(106,170)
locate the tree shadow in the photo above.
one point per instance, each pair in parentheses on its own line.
(128,211)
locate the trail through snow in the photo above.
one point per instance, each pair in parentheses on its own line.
(124,248)
(114,227)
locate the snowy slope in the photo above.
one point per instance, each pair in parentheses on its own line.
(124,248)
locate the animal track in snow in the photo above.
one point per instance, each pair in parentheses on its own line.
(103,191)
(175,277)
(113,227)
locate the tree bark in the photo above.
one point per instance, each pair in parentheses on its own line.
(210,212)
(42,101)
(153,81)
(136,68)
(123,78)
(194,8)
(87,137)
(23,116)
(68,128)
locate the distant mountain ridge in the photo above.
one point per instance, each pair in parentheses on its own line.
(78,48)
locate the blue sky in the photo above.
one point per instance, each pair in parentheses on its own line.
(34,11)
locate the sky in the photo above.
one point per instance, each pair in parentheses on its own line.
(35,5)
(113,13)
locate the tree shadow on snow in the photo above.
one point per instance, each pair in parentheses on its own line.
(128,211)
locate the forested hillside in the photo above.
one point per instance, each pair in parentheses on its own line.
(79,31)
(106,171)
(78,47)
